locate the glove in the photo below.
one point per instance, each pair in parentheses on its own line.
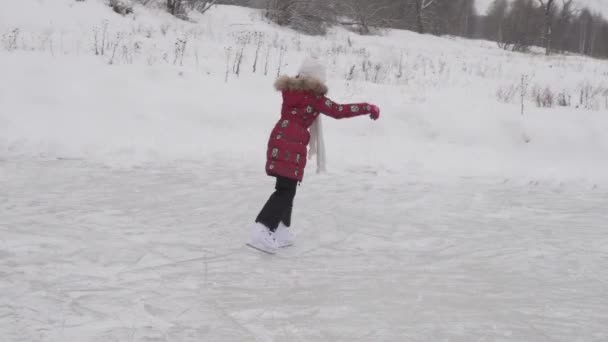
(374,112)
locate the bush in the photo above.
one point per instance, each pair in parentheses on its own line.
(543,97)
(122,7)
(564,100)
(308,16)
(507,94)
(177,8)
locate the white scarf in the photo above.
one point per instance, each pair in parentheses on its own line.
(312,67)
(317,144)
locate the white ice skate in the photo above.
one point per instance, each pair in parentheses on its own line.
(284,236)
(262,239)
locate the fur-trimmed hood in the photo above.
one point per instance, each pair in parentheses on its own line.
(301,83)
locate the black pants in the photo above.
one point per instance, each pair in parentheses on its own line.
(279,205)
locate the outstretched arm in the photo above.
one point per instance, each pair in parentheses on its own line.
(342,111)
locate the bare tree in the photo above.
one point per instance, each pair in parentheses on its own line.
(563,25)
(419,15)
(421,10)
(308,16)
(177,8)
(585,25)
(495,20)
(203,6)
(363,15)
(557,25)
(595,31)
(455,17)
(522,26)
(121,7)
(245,3)
(549,13)
(602,46)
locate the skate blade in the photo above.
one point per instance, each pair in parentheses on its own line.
(260,249)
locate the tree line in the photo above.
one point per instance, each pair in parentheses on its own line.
(558,26)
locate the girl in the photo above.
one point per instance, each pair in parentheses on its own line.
(303,100)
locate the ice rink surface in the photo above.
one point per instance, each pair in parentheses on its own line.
(91,253)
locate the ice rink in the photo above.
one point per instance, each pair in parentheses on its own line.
(91,253)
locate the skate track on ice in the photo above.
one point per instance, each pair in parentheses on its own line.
(90,253)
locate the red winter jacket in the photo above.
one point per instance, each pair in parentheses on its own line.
(303,100)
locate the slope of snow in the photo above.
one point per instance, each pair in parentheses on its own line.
(438,95)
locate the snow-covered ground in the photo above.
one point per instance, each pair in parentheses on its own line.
(129,172)
(90,253)
(442,112)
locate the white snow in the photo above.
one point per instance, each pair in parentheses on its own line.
(128,179)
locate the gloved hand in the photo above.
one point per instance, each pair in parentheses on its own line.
(375,112)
